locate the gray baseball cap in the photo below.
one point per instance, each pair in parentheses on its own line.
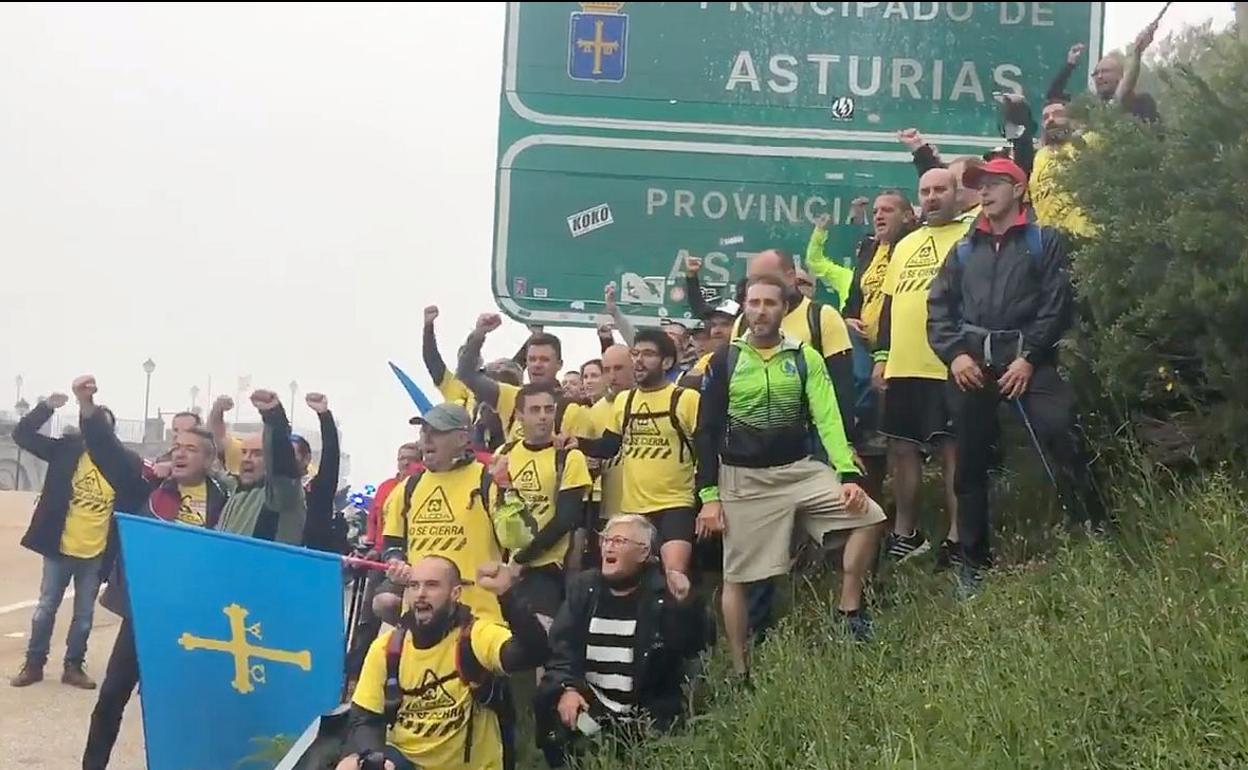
(444,418)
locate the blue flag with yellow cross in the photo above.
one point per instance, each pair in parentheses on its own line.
(240,643)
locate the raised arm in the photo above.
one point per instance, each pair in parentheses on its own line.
(283,486)
(1131,77)
(693,289)
(118,464)
(1057,89)
(216,421)
(27,436)
(624,326)
(429,349)
(483,388)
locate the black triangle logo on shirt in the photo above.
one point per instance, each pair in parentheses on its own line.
(431,694)
(642,423)
(926,256)
(88,485)
(528,479)
(436,509)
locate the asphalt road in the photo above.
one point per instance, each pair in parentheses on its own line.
(44,727)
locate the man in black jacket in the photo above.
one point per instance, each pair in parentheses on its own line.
(620,644)
(322,530)
(996,312)
(71,524)
(191,496)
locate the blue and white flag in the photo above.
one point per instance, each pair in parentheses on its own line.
(240,643)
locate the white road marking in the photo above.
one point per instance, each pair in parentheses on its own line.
(29,603)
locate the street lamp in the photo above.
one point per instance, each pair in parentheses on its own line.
(22,408)
(194,396)
(294,388)
(149,366)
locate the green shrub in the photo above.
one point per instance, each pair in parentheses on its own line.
(1163,286)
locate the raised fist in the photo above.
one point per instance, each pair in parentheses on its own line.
(823,220)
(223,404)
(431,314)
(488,322)
(911,138)
(264,400)
(317,402)
(608,295)
(693,265)
(1075,53)
(57,400)
(85,388)
(536,328)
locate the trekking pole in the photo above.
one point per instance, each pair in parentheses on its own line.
(1035,442)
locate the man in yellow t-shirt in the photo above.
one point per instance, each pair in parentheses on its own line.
(440,511)
(543,361)
(604,498)
(85,483)
(651,432)
(438,714)
(453,391)
(1058,145)
(908,372)
(552,485)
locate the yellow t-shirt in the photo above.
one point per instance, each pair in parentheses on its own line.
(872,287)
(796,326)
(455,391)
(699,366)
(610,482)
(1054,206)
(446,518)
(576,421)
(533,477)
(656,465)
(916,261)
(90,509)
(433,724)
(193,509)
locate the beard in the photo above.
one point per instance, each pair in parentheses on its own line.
(429,632)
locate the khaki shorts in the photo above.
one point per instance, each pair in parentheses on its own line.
(761,506)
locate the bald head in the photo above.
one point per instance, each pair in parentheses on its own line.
(434,586)
(617,368)
(938,195)
(773,262)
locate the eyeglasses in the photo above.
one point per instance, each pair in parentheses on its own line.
(618,541)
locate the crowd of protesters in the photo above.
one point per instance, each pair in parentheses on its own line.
(567,520)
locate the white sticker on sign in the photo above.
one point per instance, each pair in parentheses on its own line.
(590,220)
(540,293)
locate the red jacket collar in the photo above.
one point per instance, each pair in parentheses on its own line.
(982,225)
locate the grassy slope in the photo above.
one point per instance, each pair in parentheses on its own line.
(1131,654)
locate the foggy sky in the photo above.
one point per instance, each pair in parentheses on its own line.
(263,190)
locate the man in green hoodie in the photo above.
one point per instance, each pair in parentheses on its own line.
(268,503)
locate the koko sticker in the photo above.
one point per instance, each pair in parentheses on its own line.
(590,220)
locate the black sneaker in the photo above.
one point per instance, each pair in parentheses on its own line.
(901,548)
(857,624)
(950,556)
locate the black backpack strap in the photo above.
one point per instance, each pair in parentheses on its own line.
(730,365)
(685,444)
(561,409)
(409,488)
(814,318)
(392,692)
(628,412)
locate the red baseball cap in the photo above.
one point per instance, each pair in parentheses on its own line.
(973,177)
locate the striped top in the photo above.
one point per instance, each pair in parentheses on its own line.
(609,652)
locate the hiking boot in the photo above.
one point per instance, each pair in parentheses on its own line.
(857,623)
(74,676)
(902,548)
(29,675)
(950,556)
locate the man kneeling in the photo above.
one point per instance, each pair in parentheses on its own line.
(426,696)
(621,643)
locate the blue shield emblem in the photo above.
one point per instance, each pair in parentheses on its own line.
(598,45)
(240,643)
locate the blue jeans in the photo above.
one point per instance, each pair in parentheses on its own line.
(57,572)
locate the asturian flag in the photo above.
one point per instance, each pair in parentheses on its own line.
(240,643)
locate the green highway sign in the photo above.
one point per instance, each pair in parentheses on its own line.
(768,71)
(633,133)
(577,212)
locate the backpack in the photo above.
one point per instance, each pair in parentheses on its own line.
(513,522)
(1032,234)
(486,688)
(482,493)
(677,392)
